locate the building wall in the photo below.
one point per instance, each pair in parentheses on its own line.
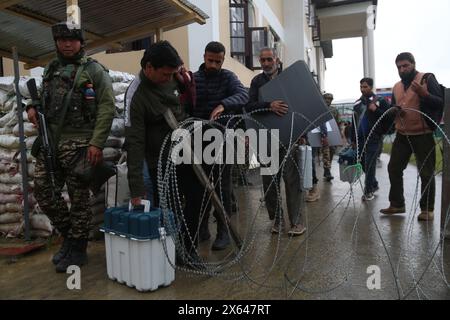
(8,68)
(130,61)
(277,7)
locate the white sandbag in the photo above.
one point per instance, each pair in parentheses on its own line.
(119,107)
(9,104)
(11,229)
(40,234)
(120,98)
(29,129)
(9,117)
(25,115)
(41,222)
(117,192)
(119,88)
(10,188)
(10,217)
(111,154)
(9,198)
(10,178)
(31,168)
(13,207)
(29,142)
(16,168)
(117,76)
(4,96)
(118,127)
(8,155)
(6,130)
(9,142)
(7,83)
(23,85)
(30,158)
(114,142)
(4,166)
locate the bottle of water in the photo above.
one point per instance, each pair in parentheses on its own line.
(89,93)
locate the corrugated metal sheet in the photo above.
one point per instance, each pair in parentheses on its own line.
(101,17)
(32,39)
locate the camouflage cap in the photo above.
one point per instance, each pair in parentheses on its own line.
(62,30)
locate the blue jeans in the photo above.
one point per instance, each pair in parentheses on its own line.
(369,162)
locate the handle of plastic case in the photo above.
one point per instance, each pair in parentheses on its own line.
(145,203)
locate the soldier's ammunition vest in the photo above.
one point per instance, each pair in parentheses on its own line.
(58,80)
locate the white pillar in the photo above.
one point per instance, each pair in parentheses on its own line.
(294,21)
(371,55)
(201,35)
(365,56)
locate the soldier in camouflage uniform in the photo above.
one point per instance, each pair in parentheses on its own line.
(327,151)
(81,138)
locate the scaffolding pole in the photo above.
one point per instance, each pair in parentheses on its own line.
(23,149)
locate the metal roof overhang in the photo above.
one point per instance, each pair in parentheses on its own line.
(26,24)
(343,18)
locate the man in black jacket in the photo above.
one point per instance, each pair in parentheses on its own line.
(270,65)
(219,92)
(368,137)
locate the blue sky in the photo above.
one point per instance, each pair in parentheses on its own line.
(418,26)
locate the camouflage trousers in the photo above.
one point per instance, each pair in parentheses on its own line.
(327,156)
(74,223)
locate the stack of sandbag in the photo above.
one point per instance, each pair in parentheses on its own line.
(10,178)
(113,147)
(11,189)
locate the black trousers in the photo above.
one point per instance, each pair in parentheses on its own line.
(423,146)
(190,195)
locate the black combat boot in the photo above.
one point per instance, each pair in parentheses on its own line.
(63,251)
(77,255)
(222,239)
(327,175)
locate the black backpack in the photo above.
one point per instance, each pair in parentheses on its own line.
(435,113)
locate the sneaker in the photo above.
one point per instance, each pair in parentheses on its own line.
(297,230)
(313,195)
(368,196)
(393,210)
(426,216)
(276,229)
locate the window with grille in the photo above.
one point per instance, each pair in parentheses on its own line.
(246,39)
(136,45)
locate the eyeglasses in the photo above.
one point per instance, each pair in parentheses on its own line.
(266,59)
